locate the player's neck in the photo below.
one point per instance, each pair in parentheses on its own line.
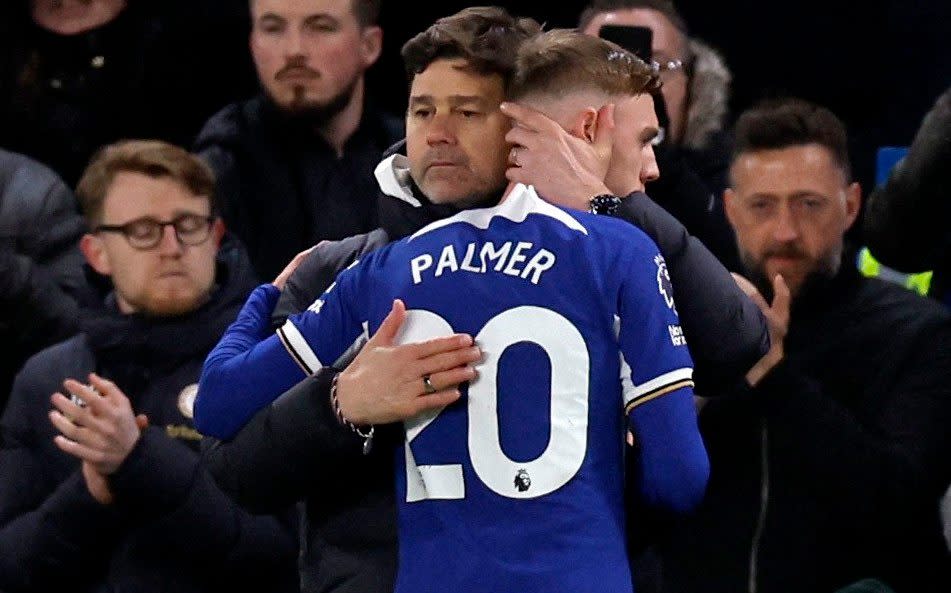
(508,190)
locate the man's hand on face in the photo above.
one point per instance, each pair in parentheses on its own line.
(387,383)
(777,318)
(103,432)
(565,170)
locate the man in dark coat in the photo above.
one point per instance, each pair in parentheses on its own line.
(105,492)
(827,467)
(294,164)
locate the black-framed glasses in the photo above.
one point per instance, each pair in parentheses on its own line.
(146,233)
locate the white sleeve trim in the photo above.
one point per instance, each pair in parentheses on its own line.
(633,393)
(298,348)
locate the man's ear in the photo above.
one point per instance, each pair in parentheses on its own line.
(95,253)
(729,206)
(371,45)
(853,202)
(584,125)
(217,231)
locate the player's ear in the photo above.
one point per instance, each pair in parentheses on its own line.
(584,124)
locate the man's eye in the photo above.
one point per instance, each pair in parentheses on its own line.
(272,28)
(420,113)
(468,113)
(321,27)
(141,229)
(189,224)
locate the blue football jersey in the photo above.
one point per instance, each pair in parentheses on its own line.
(518,485)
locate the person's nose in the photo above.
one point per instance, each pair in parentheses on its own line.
(169,245)
(440,130)
(649,169)
(293,43)
(786,228)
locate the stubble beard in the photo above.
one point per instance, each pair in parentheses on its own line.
(826,268)
(313,113)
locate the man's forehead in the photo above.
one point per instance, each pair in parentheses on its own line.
(301,8)
(455,77)
(133,193)
(639,109)
(794,160)
(800,166)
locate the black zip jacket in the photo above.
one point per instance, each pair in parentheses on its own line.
(831,469)
(171,528)
(296,447)
(281,185)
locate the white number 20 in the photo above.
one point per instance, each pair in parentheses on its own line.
(567,443)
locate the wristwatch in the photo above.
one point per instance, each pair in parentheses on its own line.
(605,204)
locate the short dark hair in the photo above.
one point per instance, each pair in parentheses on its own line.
(367,12)
(487,37)
(153,158)
(782,123)
(564,60)
(665,7)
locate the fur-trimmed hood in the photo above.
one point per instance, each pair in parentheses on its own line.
(709,96)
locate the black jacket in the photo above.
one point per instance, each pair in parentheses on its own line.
(691,188)
(171,528)
(158,70)
(41,274)
(906,221)
(282,187)
(831,469)
(296,447)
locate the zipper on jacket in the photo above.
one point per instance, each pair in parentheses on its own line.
(763,506)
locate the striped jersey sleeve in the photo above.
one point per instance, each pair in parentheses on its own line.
(649,333)
(334,325)
(672,466)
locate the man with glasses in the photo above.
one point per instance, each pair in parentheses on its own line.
(695,78)
(105,491)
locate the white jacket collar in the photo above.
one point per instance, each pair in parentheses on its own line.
(392,174)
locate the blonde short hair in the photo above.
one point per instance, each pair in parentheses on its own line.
(563,61)
(148,157)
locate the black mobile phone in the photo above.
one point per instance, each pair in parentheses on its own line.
(636,40)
